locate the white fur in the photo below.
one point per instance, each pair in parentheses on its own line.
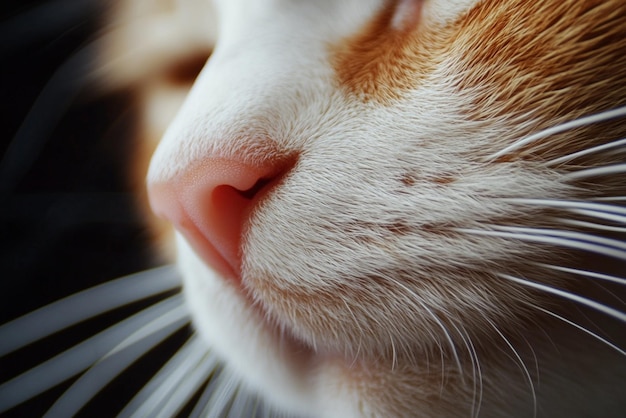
(270,79)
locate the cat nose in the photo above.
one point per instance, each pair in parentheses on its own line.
(210,204)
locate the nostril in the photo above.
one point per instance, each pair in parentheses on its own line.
(210,204)
(254,190)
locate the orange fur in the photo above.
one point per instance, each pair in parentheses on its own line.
(379,62)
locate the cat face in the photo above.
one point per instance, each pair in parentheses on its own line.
(373,214)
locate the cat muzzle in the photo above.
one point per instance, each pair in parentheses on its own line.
(210,204)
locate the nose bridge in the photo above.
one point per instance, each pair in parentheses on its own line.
(222,153)
(238,105)
(238,136)
(270,70)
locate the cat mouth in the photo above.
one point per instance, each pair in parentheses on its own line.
(291,348)
(213,221)
(232,275)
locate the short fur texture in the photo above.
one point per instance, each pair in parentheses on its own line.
(420,228)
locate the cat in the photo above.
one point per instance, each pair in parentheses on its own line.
(382,208)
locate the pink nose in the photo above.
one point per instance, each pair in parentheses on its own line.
(210,203)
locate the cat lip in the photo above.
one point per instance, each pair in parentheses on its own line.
(209,253)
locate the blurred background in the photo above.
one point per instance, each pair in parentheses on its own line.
(68,219)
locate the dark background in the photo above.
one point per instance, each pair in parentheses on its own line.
(66,210)
(67,214)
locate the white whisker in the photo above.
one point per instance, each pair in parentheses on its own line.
(553,240)
(592,225)
(610,199)
(182,393)
(117,360)
(255,407)
(587,120)
(570,204)
(239,406)
(605,170)
(476,364)
(201,407)
(76,359)
(174,316)
(475,368)
(247,405)
(532,351)
(479,372)
(53,101)
(13,30)
(394,358)
(601,215)
(226,385)
(521,362)
(581,236)
(615,144)
(166,378)
(446,332)
(612,213)
(583,329)
(614,313)
(86,304)
(590,274)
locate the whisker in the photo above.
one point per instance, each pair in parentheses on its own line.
(612,213)
(52,103)
(166,378)
(534,354)
(596,172)
(588,151)
(84,305)
(611,199)
(521,362)
(592,225)
(581,236)
(476,363)
(268,412)
(550,239)
(446,332)
(174,316)
(570,204)
(614,313)
(201,406)
(583,329)
(393,350)
(225,388)
(451,343)
(244,405)
(471,352)
(254,406)
(117,360)
(47,18)
(181,394)
(239,405)
(78,358)
(590,274)
(601,215)
(587,120)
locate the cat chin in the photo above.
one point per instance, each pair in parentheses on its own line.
(284,371)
